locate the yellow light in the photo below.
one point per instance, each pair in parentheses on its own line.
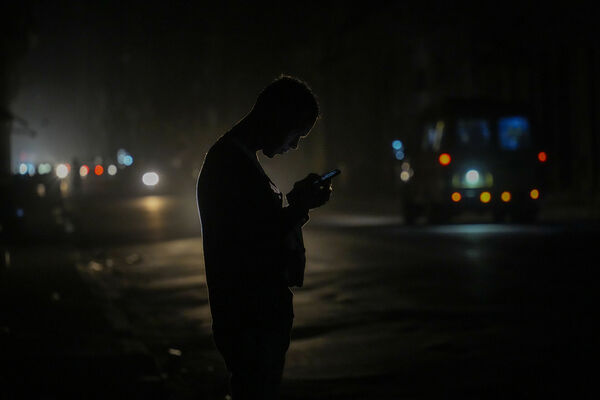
(456,197)
(485,197)
(505,196)
(444,159)
(153,203)
(534,194)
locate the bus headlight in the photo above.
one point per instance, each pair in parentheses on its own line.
(472,177)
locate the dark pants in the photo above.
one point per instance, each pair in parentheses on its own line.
(255,357)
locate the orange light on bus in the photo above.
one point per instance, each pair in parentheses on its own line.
(485,197)
(444,159)
(98,170)
(534,194)
(506,197)
(542,156)
(456,197)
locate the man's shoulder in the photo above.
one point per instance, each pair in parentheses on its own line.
(225,162)
(220,153)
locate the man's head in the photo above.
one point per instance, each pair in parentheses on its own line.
(286,110)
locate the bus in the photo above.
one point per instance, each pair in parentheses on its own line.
(473,156)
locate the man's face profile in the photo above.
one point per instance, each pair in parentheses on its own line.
(283,144)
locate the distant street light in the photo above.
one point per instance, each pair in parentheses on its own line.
(150,178)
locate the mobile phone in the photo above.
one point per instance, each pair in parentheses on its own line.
(328,175)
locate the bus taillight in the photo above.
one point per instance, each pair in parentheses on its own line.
(444,159)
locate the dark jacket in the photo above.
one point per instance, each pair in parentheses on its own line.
(244,231)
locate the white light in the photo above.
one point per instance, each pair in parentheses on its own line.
(472,176)
(23,169)
(44,168)
(405,176)
(112,170)
(150,178)
(62,171)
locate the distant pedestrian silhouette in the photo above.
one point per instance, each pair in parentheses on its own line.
(253,248)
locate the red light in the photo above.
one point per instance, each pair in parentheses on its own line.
(542,156)
(534,194)
(98,170)
(444,159)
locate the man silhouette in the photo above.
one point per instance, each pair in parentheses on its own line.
(253,248)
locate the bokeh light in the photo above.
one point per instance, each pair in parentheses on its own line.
(472,176)
(150,178)
(444,159)
(485,197)
(112,170)
(62,171)
(534,194)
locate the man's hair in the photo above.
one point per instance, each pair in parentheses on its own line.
(288,101)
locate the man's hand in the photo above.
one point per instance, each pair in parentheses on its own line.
(307,194)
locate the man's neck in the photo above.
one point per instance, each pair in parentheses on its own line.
(246,132)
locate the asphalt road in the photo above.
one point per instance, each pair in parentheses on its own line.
(472,310)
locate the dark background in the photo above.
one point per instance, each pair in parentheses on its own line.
(102,283)
(163,80)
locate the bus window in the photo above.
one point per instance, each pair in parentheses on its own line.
(513,133)
(432,139)
(473,133)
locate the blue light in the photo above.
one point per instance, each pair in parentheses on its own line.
(20,212)
(121,156)
(127,160)
(397,144)
(513,133)
(399,155)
